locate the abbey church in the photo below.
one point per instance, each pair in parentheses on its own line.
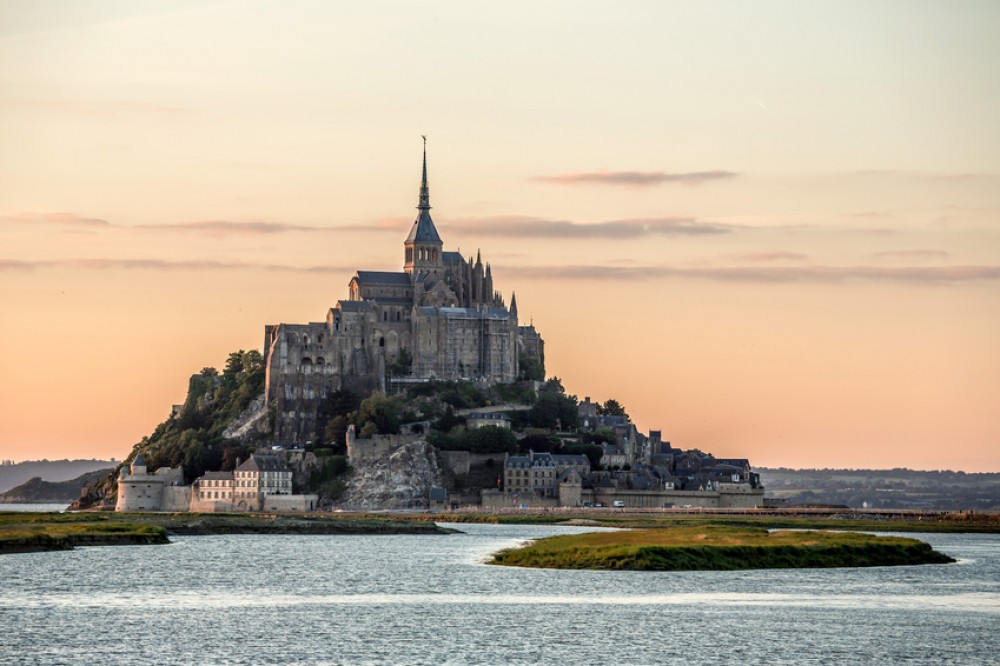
(441,317)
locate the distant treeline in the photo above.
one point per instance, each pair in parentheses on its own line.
(885,488)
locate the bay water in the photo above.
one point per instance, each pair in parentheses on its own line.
(431,599)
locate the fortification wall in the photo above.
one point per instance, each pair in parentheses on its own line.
(501,499)
(362,451)
(176,498)
(744,498)
(139,492)
(289,503)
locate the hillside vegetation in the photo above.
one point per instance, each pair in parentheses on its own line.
(718,548)
(192,437)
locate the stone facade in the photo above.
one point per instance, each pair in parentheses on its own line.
(261,483)
(140,490)
(439,318)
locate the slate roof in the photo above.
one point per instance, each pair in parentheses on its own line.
(263,463)
(567,474)
(423,229)
(351,306)
(488,416)
(392,300)
(221,476)
(452,258)
(570,459)
(139,460)
(384,277)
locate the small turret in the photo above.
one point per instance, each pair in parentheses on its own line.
(139,464)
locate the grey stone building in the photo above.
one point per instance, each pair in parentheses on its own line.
(441,317)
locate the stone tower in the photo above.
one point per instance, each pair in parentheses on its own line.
(424,249)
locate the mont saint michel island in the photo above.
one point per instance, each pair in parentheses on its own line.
(420,390)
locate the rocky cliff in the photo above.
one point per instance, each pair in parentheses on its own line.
(401,480)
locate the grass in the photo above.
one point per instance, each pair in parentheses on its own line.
(954,523)
(718,548)
(24,532)
(30,531)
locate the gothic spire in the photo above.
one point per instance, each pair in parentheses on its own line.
(513,303)
(423,229)
(425,192)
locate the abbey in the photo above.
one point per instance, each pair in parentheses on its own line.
(441,317)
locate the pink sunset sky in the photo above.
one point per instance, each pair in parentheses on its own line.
(769,229)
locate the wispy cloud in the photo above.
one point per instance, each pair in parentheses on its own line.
(535,227)
(777,255)
(161,265)
(74,221)
(65,220)
(636,178)
(912,254)
(941,275)
(229,227)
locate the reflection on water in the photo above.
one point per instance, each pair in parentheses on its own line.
(430,599)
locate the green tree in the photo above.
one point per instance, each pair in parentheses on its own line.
(331,417)
(611,407)
(488,439)
(402,365)
(553,410)
(531,369)
(381,410)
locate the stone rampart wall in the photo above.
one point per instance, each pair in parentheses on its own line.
(285,503)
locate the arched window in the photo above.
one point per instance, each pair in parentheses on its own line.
(306,360)
(399,315)
(319,360)
(381,342)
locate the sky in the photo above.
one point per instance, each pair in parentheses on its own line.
(771,230)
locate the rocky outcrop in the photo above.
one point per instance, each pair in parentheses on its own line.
(252,419)
(401,480)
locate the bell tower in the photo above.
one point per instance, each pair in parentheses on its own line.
(423,247)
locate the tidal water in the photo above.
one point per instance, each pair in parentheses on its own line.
(43,508)
(431,600)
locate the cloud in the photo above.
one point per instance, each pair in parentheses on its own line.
(636,178)
(913,254)
(161,265)
(748,274)
(229,227)
(534,227)
(766,274)
(778,255)
(64,220)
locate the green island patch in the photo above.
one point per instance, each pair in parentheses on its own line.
(24,532)
(718,548)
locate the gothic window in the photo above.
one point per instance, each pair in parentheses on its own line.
(381,342)
(399,315)
(385,316)
(306,360)
(319,360)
